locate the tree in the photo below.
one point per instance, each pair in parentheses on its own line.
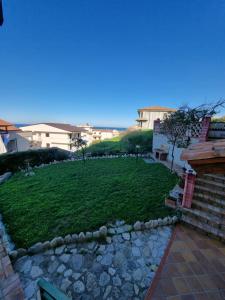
(80,144)
(178,125)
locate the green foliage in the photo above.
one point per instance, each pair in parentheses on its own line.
(124,144)
(19,160)
(221,119)
(69,197)
(142,138)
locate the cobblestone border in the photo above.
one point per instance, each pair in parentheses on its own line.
(104,232)
(94,158)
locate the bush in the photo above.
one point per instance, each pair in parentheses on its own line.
(19,160)
(142,138)
(125,143)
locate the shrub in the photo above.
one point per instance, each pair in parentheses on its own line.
(125,143)
(19,160)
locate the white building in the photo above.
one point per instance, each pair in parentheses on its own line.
(46,135)
(93,134)
(12,139)
(104,134)
(147,115)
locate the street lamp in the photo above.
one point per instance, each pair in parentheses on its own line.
(137,147)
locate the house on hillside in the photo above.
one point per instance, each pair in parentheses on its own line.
(93,134)
(104,134)
(12,139)
(46,135)
(147,115)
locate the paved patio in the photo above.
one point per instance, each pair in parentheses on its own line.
(193,268)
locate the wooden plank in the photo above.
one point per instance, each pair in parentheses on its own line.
(51,290)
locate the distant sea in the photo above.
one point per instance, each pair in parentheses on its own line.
(97,127)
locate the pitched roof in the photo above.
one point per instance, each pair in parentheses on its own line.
(6,126)
(157,108)
(66,127)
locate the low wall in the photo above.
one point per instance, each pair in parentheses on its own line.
(161,141)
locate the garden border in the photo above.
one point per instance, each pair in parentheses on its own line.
(102,233)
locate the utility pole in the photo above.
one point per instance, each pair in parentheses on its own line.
(1,13)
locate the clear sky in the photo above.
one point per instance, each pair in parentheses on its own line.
(98,61)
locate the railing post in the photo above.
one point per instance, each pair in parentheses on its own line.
(188,188)
(205,129)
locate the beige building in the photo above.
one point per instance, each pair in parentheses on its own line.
(104,134)
(46,135)
(147,115)
(93,134)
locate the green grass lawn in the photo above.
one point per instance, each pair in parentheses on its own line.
(70,197)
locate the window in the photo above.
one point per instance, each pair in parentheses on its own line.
(48,145)
(47,134)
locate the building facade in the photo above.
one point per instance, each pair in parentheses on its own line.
(47,135)
(147,116)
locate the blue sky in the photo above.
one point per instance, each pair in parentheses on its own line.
(98,61)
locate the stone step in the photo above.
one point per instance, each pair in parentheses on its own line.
(207,228)
(205,217)
(211,184)
(214,210)
(209,199)
(216,178)
(212,192)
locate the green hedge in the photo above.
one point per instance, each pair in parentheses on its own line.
(20,160)
(125,143)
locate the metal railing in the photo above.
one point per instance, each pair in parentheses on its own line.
(49,292)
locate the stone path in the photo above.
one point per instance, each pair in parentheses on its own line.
(121,268)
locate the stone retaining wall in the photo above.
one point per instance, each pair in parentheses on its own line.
(82,237)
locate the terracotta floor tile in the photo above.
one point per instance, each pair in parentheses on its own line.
(178,257)
(219,265)
(201,296)
(184,269)
(169,258)
(188,297)
(222,250)
(207,282)
(203,244)
(196,268)
(178,246)
(194,283)
(181,285)
(169,270)
(159,291)
(216,295)
(200,257)
(188,256)
(168,287)
(218,280)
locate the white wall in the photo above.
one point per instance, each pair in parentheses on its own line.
(23,140)
(151,116)
(2,146)
(161,141)
(49,136)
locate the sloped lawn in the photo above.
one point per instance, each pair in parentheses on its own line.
(70,197)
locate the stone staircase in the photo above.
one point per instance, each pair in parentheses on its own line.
(208,205)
